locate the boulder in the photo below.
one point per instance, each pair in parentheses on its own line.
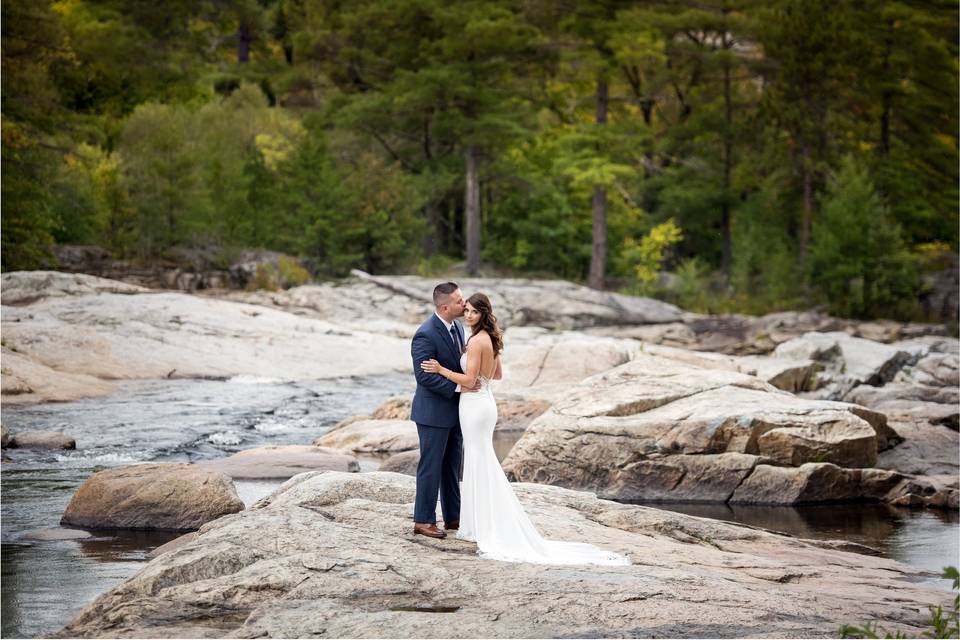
(846,361)
(395,408)
(404,462)
(783,373)
(176,497)
(41,440)
(813,483)
(372,436)
(903,401)
(333,555)
(659,429)
(281,461)
(926,449)
(938,362)
(926,491)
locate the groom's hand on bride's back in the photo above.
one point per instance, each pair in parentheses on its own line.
(473,389)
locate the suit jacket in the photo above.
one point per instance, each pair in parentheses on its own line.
(436,401)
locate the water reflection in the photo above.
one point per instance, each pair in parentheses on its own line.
(46,584)
(924,538)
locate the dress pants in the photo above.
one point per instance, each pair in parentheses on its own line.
(441,457)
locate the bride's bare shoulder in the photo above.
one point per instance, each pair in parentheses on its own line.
(481,339)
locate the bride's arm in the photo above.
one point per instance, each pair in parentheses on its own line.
(498,372)
(466,380)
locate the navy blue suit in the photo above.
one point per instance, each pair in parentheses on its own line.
(437,414)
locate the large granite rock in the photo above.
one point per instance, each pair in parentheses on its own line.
(659,429)
(176,497)
(333,555)
(281,461)
(110,336)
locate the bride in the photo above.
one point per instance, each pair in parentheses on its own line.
(490,513)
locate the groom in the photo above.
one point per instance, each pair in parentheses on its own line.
(436,412)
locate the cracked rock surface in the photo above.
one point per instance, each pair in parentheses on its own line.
(331,554)
(664,429)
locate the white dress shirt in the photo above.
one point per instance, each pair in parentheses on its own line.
(448,325)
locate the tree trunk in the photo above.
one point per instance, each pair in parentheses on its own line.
(471,212)
(886,96)
(243,42)
(727,157)
(598,256)
(806,220)
(433,230)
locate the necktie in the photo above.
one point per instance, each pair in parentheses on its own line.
(456,338)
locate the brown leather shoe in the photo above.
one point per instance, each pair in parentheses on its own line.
(453,525)
(429,530)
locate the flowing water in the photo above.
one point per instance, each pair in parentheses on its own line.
(45,583)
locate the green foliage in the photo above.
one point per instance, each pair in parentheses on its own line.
(943,624)
(858,260)
(647,255)
(337,133)
(28,218)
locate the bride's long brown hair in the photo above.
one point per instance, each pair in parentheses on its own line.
(487,322)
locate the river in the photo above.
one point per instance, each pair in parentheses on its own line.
(45,584)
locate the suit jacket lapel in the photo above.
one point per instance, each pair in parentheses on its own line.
(447,338)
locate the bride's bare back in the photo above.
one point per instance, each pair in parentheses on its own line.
(480,358)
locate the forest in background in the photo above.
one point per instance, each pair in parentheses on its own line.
(728,155)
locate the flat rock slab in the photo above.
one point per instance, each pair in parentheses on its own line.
(332,555)
(927,449)
(177,497)
(95,336)
(55,534)
(281,461)
(41,440)
(512,414)
(24,287)
(372,436)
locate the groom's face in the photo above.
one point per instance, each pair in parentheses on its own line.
(454,306)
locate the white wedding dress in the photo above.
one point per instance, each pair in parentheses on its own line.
(490,513)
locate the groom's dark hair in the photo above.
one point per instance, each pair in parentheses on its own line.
(442,290)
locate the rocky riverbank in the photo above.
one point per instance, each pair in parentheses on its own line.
(340,561)
(641,409)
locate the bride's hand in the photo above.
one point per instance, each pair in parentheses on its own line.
(431,366)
